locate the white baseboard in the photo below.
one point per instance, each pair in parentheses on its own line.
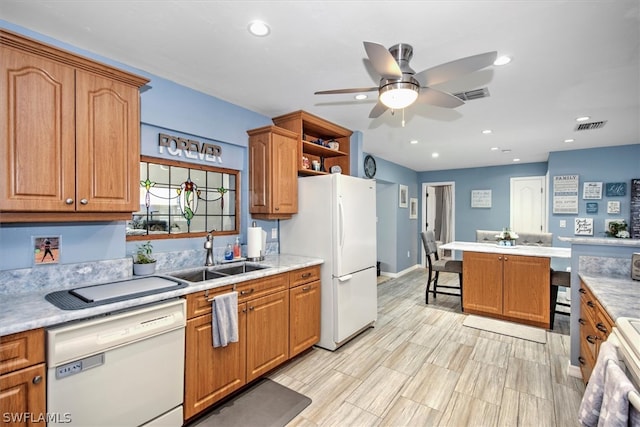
(573,371)
(400,273)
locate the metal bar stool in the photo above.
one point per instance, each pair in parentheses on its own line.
(437,265)
(558,278)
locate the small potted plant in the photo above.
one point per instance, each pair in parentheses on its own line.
(143,261)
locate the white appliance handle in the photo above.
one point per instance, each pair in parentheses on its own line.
(341,223)
(345,278)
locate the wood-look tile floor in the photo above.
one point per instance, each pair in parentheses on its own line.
(420,367)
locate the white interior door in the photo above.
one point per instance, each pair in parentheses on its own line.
(528,204)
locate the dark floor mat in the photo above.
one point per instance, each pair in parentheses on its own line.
(267,404)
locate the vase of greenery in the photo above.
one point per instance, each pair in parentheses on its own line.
(143,261)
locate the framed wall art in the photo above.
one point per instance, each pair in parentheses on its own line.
(613,207)
(616,189)
(592,207)
(480,198)
(403,196)
(413,208)
(583,227)
(46,249)
(592,190)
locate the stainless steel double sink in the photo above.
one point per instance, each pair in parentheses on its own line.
(216,272)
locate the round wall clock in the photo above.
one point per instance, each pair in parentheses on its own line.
(369,166)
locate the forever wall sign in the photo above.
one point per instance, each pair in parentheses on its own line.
(189,148)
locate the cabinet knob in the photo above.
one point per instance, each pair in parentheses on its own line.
(306,289)
(591,304)
(582,321)
(277,208)
(83,201)
(582,291)
(591,339)
(581,360)
(247,292)
(307,274)
(251,308)
(499,258)
(506,259)
(37,379)
(600,326)
(69,201)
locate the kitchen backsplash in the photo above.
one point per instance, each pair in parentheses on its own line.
(65,276)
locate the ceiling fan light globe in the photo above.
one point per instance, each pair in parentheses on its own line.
(398,95)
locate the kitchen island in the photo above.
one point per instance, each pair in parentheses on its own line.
(507,282)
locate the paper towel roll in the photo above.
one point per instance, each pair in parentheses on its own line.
(254,242)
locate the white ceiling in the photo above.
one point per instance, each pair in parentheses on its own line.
(570,58)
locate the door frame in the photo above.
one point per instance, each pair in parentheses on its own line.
(423,259)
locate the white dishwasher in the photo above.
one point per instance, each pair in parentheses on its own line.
(121,369)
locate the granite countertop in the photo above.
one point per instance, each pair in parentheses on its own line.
(23,311)
(537,251)
(619,296)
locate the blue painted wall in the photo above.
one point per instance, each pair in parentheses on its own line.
(611,164)
(495,178)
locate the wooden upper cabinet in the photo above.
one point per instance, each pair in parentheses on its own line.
(70,135)
(273,177)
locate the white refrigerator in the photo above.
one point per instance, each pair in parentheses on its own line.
(336,221)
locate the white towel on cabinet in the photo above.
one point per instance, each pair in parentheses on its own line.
(591,404)
(616,409)
(224,319)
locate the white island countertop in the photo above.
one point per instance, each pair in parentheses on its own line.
(537,251)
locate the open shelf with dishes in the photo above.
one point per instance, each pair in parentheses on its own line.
(314,136)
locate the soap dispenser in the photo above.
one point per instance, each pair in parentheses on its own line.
(236,248)
(228,252)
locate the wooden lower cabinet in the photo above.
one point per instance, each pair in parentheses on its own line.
(512,287)
(304,317)
(263,341)
(23,386)
(595,327)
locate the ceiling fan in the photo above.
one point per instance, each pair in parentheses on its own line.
(400,86)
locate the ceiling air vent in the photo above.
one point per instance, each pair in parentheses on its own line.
(591,126)
(473,94)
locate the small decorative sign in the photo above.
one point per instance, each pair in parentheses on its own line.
(592,190)
(565,194)
(613,207)
(592,207)
(480,198)
(616,189)
(583,227)
(191,149)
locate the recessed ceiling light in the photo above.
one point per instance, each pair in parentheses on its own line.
(502,60)
(434,155)
(495,148)
(582,119)
(413,141)
(487,131)
(569,140)
(516,159)
(360,96)
(259,28)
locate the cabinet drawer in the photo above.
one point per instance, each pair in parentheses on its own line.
(304,275)
(589,336)
(261,287)
(21,350)
(198,303)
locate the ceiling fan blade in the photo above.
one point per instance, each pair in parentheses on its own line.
(382,61)
(454,69)
(352,90)
(438,98)
(377,110)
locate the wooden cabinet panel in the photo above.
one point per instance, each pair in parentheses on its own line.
(20,350)
(304,317)
(511,287)
(71,135)
(267,333)
(526,288)
(107,144)
(198,303)
(595,327)
(273,182)
(24,392)
(38,133)
(482,278)
(212,373)
(264,286)
(304,275)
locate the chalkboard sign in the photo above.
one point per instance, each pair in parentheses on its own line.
(635,209)
(616,189)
